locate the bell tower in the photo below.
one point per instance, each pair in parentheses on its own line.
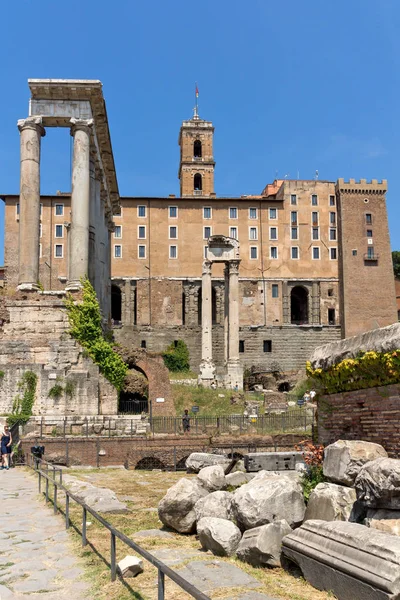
(196,166)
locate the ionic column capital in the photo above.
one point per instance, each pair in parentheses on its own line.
(34,123)
(81,125)
(207,267)
(234,267)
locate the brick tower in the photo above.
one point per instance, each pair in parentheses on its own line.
(196,166)
(367,294)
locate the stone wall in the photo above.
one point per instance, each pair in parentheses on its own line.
(372,415)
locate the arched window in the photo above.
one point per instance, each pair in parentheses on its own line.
(116,304)
(198,183)
(197,149)
(299,306)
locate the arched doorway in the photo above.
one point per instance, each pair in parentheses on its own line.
(299,306)
(116,304)
(133,398)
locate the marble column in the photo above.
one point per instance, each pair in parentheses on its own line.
(226,313)
(78,263)
(207,368)
(235,370)
(31,131)
(92,224)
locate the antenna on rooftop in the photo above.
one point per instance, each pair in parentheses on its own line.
(196,107)
(316,174)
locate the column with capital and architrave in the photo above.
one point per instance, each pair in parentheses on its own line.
(234,368)
(207,367)
(78,263)
(31,132)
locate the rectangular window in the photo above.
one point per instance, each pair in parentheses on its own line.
(17,208)
(233,213)
(142,232)
(331,316)
(314,200)
(206,212)
(241,346)
(59,231)
(354,252)
(59,210)
(253,233)
(369,233)
(41,210)
(118,231)
(370,252)
(141,211)
(275,290)
(332,200)
(40,250)
(294,233)
(273,252)
(252,213)
(273,233)
(315,233)
(207,233)
(173,212)
(333,253)
(315,253)
(117,251)
(267,345)
(314,217)
(295,253)
(368,219)
(233,232)
(141,251)
(58,251)
(293,217)
(173,251)
(332,218)
(272,213)
(253,252)
(293,199)
(332,234)
(173,232)
(143,344)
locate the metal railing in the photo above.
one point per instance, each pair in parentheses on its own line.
(163,570)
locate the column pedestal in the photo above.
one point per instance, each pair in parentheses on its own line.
(207,367)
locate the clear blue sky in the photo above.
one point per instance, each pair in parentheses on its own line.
(290,86)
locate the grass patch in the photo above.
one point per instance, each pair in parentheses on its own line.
(182,375)
(211,402)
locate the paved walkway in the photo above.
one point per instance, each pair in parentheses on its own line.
(36,558)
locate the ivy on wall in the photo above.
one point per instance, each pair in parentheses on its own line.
(23,402)
(85,326)
(367,370)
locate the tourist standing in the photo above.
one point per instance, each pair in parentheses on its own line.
(6,441)
(186,421)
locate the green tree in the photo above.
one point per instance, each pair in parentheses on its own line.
(176,357)
(396,263)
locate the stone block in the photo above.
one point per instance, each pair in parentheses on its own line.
(378,484)
(212,478)
(198,460)
(218,535)
(383,520)
(262,546)
(348,559)
(330,502)
(130,566)
(344,459)
(217,504)
(176,508)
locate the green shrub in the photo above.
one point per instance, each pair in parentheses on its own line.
(55,391)
(69,388)
(22,405)
(176,357)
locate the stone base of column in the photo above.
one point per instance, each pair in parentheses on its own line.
(207,373)
(234,375)
(73,286)
(28,287)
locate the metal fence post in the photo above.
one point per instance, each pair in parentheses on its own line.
(40,481)
(65,426)
(174,458)
(87,427)
(55,496)
(84,541)
(47,489)
(66,452)
(66,511)
(161,585)
(113,562)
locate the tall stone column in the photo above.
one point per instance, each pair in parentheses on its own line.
(235,370)
(31,131)
(316,311)
(226,314)
(207,368)
(285,303)
(92,224)
(78,263)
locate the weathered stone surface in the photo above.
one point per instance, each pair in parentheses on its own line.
(383,520)
(238,478)
(220,536)
(262,546)
(379,340)
(130,566)
(378,484)
(208,575)
(212,478)
(351,560)
(176,509)
(330,502)
(152,533)
(198,460)
(217,504)
(100,499)
(268,499)
(344,459)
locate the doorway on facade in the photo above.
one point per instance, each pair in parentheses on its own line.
(133,398)
(116,304)
(299,306)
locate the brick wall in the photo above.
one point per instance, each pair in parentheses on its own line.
(372,415)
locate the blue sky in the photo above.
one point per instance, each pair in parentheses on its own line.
(291,87)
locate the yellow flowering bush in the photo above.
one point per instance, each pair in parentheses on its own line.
(368,369)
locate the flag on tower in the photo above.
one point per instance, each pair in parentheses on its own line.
(197,91)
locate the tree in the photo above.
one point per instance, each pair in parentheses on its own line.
(396,263)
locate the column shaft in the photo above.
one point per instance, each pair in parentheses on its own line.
(206,313)
(31,131)
(226,314)
(78,264)
(234,310)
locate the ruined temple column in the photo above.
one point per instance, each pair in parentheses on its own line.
(78,263)
(315,310)
(31,131)
(235,370)
(207,368)
(226,313)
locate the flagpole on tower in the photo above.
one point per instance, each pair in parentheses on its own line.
(196,108)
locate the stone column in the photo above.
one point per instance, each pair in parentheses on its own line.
(207,368)
(315,315)
(126,312)
(78,263)
(31,131)
(235,370)
(285,303)
(92,222)
(226,314)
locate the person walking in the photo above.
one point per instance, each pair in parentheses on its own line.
(6,441)
(186,421)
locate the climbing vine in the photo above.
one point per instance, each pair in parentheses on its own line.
(85,326)
(23,402)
